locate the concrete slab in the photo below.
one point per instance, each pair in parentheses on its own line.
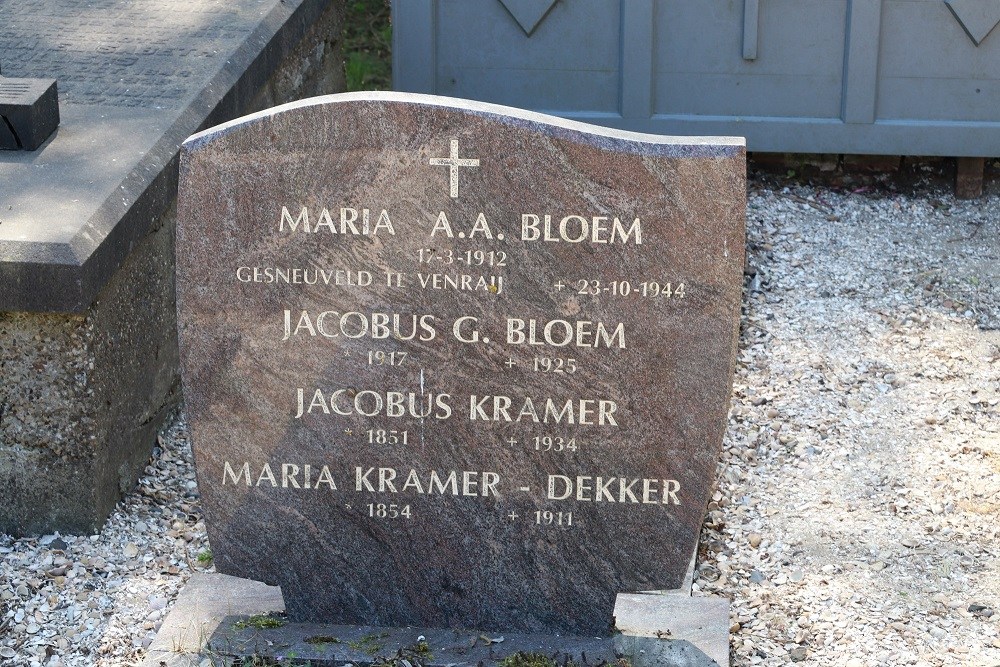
(701,621)
(203,603)
(335,645)
(135,80)
(209,621)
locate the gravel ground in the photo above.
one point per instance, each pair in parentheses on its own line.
(856,518)
(855,521)
(99,599)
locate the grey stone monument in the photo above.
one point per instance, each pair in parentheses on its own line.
(88,345)
(450,364)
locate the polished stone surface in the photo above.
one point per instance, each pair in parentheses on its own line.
(349,264)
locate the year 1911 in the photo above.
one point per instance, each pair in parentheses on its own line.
(547,518)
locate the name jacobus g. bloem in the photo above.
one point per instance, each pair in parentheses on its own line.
(464,329)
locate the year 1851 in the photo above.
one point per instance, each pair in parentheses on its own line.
(384,436)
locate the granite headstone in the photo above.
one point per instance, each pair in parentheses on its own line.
(452,364)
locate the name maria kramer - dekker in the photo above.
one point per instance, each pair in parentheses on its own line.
(371,479)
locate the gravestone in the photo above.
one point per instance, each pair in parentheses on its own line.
(451,364)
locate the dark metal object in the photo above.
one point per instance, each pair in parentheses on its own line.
(29,112)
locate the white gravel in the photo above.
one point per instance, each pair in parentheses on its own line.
(856,517)
(99,599)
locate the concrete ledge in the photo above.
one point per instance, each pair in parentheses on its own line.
(669,630)
(83,397)
(201,606)
(700,623)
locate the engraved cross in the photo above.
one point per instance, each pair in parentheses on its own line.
(453,163)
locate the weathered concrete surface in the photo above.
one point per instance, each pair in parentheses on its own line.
(82,395)
(201,625)
(703,622)
(372,645)
(201,606)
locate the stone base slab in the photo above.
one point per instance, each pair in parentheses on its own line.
(198,611)
(698,622)
(214,620)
